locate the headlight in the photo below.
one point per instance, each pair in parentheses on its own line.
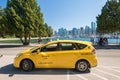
(18,55)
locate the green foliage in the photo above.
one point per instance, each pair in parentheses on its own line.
(49,30)
(109,19)
(24,19)
(1,21)
(2,26)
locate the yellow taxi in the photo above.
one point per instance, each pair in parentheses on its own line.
(58,54)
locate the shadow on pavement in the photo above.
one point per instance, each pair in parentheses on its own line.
(9,46)
(10,70)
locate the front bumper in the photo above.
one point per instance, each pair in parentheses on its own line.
(16,63)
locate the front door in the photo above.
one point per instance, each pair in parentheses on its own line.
(46,57)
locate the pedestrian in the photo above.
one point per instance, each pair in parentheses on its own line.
(92,40)
(101,41)
(105,40)
(39,40)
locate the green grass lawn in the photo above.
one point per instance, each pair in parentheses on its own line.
(10,41)
(18,41)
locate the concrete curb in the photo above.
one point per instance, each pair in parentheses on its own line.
(107,47)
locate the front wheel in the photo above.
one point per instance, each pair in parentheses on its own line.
(82,66)
(27,65)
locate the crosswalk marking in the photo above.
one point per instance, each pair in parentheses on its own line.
(102,78)
(108,73)
(113,69)
(108,66)
(80,76)
(68,76)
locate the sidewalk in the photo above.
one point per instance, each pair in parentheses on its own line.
(110,46)
(12,45)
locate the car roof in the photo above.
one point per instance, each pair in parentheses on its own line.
(72,41)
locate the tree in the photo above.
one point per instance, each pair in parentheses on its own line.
(49,30)
(24,19)
(2,26)
(1,14)
(0,21)
(118,18)
(107,20)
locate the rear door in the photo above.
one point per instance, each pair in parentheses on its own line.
(66,55)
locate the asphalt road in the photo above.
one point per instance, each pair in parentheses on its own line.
(108,68)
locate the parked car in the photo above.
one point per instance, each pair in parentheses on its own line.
(58,54)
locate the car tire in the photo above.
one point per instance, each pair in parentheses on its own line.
(27,65)
(82,66)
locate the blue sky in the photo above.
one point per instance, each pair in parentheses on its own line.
(68,13)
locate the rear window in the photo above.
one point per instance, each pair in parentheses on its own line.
(67,46)
(81,46)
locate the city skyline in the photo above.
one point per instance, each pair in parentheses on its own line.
(87,31)
(68,13)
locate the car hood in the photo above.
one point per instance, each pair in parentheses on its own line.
(26,51)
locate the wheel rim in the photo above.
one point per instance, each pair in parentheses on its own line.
(25,65)
(82,66)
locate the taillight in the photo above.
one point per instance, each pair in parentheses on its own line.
(94,51)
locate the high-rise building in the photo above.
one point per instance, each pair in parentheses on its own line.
(82,32)
(62,32)
(87,30)
(93,28)
(75,32)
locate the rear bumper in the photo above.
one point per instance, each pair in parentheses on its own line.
(94,62)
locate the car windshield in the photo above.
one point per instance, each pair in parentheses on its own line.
(34,48)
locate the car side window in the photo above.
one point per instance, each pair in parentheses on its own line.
(81,46)
(51,47)
(67,46)
(36,50)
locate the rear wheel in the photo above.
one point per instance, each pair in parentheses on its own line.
(27,65)
(82,66)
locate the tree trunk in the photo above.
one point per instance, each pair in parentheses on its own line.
(21,40)
(26,39)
